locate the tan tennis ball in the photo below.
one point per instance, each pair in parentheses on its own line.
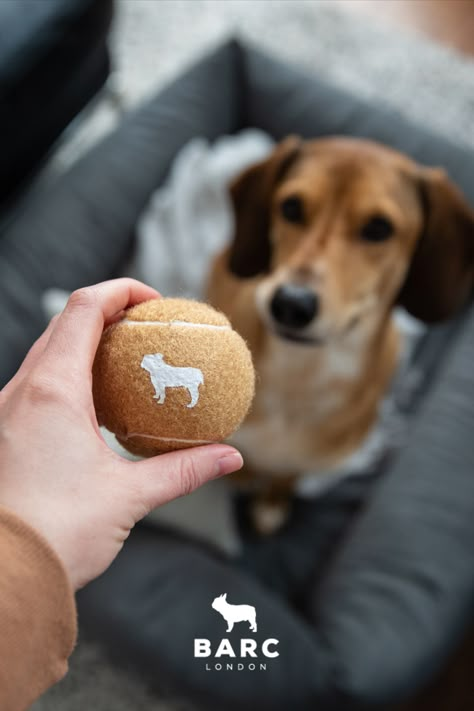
(172,374)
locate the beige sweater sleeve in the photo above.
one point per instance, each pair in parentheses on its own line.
(38,625)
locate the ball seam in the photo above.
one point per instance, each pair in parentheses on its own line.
(168,439)
(210,326)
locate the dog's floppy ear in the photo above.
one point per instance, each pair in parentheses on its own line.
(441,276)
(251,197)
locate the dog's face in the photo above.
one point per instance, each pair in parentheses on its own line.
(344,223)
(340,229)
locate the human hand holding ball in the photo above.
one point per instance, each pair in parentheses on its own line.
(56,471)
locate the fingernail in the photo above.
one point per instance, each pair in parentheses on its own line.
(229,463)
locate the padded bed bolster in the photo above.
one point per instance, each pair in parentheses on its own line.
(77,231)
(401,591)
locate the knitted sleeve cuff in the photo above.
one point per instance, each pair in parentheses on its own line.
(37,614)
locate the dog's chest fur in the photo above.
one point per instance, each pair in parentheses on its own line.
(299,420)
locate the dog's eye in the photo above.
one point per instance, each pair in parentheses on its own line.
(377,229)
(292,210)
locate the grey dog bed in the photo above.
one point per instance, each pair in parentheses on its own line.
(367,589)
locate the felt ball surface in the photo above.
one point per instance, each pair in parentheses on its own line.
(171,374)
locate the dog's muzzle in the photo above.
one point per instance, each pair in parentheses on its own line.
(294,306)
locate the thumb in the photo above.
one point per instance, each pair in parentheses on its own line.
(174,474)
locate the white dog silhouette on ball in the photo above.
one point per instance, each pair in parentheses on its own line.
(169,376)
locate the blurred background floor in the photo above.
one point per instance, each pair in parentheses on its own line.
(369,47)
(362,46)
(450,22)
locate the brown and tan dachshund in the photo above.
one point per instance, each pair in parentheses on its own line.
(330,235)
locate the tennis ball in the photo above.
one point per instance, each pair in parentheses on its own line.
(171,374)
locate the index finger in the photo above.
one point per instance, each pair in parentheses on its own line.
(78,329)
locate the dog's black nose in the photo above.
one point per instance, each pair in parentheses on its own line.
(294,306)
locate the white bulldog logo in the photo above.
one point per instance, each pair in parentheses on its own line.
(165,376)
(235,613)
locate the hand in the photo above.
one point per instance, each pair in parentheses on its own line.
(56,471)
